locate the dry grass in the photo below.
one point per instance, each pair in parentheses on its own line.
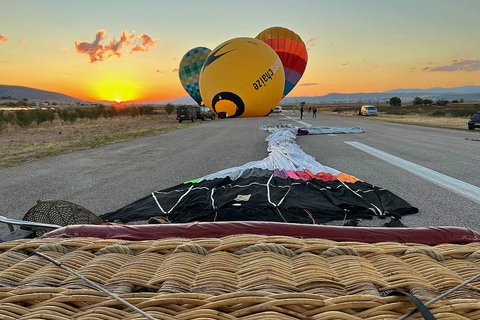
(20,146)
(420,120)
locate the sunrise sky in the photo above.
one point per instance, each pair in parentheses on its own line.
(135,46)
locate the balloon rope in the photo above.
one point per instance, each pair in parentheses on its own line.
(441,296)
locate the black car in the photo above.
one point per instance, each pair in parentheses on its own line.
(185,112)
(203,113)
(474,121)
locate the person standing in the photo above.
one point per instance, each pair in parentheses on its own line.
(314,112)
(301,112)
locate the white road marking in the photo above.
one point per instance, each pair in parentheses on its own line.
(459,187)
(331,134)
(298,120)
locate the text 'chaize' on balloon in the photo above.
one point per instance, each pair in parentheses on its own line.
(242,77)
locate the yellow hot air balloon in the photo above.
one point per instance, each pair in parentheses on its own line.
(242,77)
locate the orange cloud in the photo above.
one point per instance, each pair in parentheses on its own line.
(94,49)
(97,51)
(175,70)
(2,38)
(126,38)
(115,46)
(147,43)
(311,42)
(23,42)
(64,49)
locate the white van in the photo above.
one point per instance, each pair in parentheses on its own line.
(278,109)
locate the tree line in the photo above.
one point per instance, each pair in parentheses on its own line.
(397,102)
(25,118)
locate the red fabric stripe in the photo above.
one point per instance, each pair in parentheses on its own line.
(292,61)
(428,236)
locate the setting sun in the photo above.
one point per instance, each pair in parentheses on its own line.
(117,90)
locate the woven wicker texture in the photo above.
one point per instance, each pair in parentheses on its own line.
(241,276)
(59,212)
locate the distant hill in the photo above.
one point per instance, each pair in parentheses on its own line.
(468,93)
(18,92)
(453,90)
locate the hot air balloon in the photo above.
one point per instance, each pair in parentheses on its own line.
(242,77)
(291,50)
(189,71)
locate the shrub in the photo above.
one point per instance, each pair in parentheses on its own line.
(39,116)
(21,103)
(72,116)
(169,108)
(395,102)
(94,113)
(109,113)
(63,115)
(417,101)
(400,112)
(3,121)
(438,113)
(82,113)
(146,110)
(456,113)
(462,112)
(133,111)
(23,118)
(9,118)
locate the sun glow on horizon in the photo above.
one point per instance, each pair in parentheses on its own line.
(116,90)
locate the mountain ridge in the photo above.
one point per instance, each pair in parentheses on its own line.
(21,92)
(468,93)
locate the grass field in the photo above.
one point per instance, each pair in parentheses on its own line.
(414,119)
(453,116)
(45,140)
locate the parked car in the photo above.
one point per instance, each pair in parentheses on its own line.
(203,113)
(185,112)
(368,110)
(474,121)
(278,109)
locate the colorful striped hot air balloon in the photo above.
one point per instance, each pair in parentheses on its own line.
(189,71)
(291,50)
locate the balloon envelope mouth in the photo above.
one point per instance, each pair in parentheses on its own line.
(228,102)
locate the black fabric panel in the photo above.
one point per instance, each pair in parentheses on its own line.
(246,199)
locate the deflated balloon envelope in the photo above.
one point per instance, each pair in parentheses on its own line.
(291,50)
(189,71)
(242,77)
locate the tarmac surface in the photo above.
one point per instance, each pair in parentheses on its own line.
(107,178)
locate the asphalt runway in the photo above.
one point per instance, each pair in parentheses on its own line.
(107,178)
